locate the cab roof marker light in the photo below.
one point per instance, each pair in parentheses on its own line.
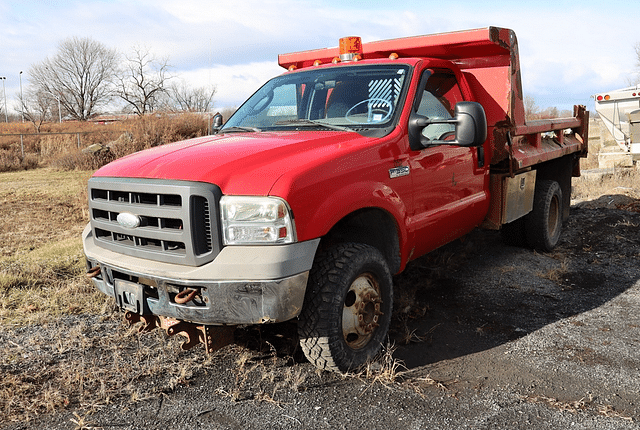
(393,56)
(335,60)
(317,63)
(292,67)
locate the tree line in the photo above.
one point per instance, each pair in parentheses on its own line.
(85,76)
(532,111)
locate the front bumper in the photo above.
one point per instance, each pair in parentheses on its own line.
(243,285)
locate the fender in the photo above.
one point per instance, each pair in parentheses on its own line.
(316,216)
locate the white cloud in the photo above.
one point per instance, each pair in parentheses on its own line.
(233,83)
(566,47)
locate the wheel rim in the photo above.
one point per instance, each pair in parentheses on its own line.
(554,216)
(361,311)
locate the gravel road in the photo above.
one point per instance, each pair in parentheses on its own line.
(499,337)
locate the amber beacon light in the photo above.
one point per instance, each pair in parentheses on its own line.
(350,48)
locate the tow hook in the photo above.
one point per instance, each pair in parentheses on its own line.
(94,271)
(185,296)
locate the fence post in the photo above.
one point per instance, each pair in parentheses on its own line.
(78,140)
(22,146)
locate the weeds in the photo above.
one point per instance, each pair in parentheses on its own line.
(82,422)
(68,362)
(385,369)
(579,405)
(63,151)
(620,186)
(556,274)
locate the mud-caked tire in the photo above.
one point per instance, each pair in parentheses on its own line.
(544,224)
(347,307)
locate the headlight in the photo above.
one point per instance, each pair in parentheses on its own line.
(256,220)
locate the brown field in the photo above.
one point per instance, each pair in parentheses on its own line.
(61,151)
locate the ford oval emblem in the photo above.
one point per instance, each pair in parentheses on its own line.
(128,220)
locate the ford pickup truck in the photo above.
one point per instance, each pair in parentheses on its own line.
(325,183)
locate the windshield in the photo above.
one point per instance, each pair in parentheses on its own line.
(343,98)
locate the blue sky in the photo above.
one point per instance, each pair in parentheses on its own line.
(569,50)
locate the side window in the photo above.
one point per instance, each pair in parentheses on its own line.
(438,101)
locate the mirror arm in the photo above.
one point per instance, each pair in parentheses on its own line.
(217,123)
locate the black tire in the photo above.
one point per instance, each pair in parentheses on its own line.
(544,224)
(347,307)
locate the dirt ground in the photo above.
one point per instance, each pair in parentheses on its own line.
(484,335)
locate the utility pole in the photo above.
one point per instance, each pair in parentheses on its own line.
(4,92)
(59,110)
(21,98)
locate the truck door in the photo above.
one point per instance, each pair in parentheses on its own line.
(450,198)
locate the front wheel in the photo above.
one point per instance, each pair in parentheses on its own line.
(347,307)
(544,224)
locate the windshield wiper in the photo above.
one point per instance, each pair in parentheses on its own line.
(309,122)
(239,129)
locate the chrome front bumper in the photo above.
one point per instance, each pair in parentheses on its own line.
(244,285)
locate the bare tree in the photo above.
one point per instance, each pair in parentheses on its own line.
(185,98)
(80,75)
(227,112)
(550,112)
(634,79)
(37,107)
(533,112)
(142,81)
(531,109)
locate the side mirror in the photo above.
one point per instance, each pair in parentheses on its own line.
(470,123)
(216,122)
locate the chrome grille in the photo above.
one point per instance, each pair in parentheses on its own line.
(177,219)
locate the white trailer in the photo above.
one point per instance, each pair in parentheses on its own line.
(620,113)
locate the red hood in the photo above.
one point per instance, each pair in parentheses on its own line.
(247,163)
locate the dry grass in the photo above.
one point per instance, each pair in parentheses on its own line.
(63,151)
(74,362)
(585,403)
(263,380)
(385,369)
(620,186)
(623,184)
(42,281)
(556,274)
(40,207)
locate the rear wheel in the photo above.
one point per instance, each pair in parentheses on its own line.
(544,224)
(347,307)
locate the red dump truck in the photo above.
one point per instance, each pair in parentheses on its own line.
(325,183)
